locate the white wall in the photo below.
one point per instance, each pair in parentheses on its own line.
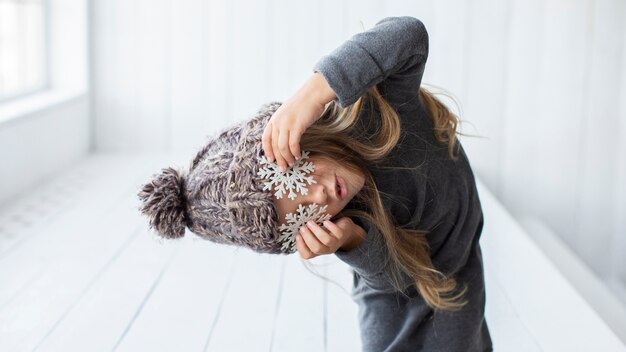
(543,80)
(44,132)
(42,143)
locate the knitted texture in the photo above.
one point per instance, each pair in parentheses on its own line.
(219,197)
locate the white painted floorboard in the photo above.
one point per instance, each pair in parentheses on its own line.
(80,271)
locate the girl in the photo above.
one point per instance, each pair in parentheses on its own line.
(384,163)
(386,158)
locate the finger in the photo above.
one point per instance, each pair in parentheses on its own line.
(283,146)
(335,230)
(312,242)
(305,252)
(277,156)
(321,235)
(267,142)
(294,144)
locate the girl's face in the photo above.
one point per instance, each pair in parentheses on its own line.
(335,186)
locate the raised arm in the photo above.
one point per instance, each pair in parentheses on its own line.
(393,52)
(391,55)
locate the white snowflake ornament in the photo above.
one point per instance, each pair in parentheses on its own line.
(293,178)
(296,220)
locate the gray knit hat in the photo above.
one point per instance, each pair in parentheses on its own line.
(219,197)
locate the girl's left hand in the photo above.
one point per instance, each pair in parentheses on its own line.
(314,240)
(281,136)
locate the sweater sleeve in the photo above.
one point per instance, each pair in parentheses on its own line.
(369,259)
(394,52)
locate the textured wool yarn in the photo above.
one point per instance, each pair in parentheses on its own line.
(219,197)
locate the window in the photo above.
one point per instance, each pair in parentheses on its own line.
(23,56)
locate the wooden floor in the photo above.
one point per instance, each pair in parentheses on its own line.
(79,271)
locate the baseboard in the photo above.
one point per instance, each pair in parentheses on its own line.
(600,295)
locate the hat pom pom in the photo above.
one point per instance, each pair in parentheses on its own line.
(163,203)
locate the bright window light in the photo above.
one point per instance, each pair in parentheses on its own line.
(22,47)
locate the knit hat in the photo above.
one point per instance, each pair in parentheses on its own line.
(221,197)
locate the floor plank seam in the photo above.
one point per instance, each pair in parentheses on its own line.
(21,289)
(514,309)
(35,231)
(147,296)
(325,308)
(278,300)
(94,280)
(107,210)
(219,307)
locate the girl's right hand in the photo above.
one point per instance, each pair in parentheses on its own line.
(281,136)
(343,234)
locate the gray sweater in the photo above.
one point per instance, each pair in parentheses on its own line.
(438,195)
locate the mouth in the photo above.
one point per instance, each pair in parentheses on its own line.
(340,187)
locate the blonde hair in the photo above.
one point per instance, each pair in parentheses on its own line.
(333,138)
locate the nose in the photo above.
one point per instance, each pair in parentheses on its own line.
(318,193)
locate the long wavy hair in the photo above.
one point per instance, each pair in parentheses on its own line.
(333,138)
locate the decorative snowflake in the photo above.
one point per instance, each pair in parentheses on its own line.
(293,178)
(295,221)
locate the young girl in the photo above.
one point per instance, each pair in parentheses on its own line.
(388,168)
